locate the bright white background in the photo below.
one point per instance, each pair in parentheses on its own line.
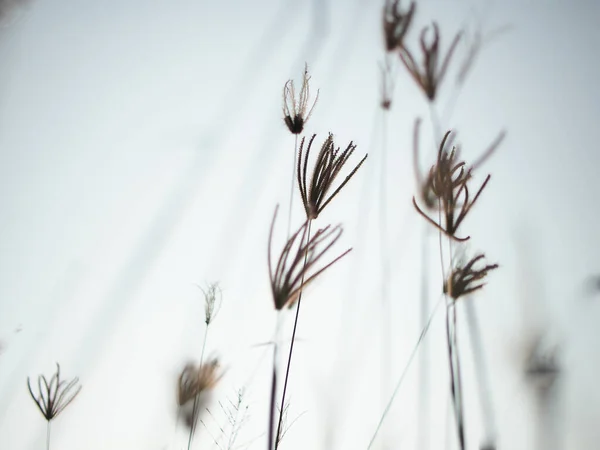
(142,151)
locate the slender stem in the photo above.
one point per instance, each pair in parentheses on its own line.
(48,436)
(203,345)
(481,372)
(423,404)
(289,361)
(453,358)
(404,372)
(196,406)
(274,384)
(437,127)
(292,185)
(273,394)
(385,265)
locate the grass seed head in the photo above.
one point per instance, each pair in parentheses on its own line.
(296,266)
(464,278)
(213,297)
(328,164)
(54,396)
(396,23)
(295,110)
(430,76)
(447,185)
(194,380)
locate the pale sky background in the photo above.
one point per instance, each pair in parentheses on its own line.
(143,151)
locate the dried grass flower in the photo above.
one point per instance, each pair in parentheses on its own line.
(187,384)
(429,77)
(295,110)
(465,279)
(194,381)
(447,185)
(54,396)
(213,297)
(396,23)
(329,163)
(295,267)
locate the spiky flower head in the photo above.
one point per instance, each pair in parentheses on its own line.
(396,23)
(429,77)
(295,110)
(329,162)
(466,279)
(195,379)
(447,186)
(213,297)
(296,264)
(54,396)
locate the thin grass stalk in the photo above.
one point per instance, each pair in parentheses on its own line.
(385,261)
(454,361)
(423,403)
(274,382)
(289,230)
(403,374)
(289,361)
(48,436)
(481,374)
(196,405)
(273,395)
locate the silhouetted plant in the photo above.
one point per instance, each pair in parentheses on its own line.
(295,269)
(54,396)
(462,279)
(329,163)
(194,381)
(447,183)
(295,114)
(396,23)
(290,274)
(430,76)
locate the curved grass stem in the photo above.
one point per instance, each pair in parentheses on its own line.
(404,372)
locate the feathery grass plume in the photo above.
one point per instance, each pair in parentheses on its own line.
(287,278)
(462,279)
(295,113)
(193,381)
(213,298)
(448,183)
(328,165)
(431,75)
(53,396)
(396,23)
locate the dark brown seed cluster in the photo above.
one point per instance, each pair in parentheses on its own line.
(328,164)
(447,184)
(295,267)
(430,74)
(396,23)
(295,110)
(463,280)
(54,396)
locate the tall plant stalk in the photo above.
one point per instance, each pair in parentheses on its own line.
(289,359)
(293,181)
(272,403)
(196,405)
